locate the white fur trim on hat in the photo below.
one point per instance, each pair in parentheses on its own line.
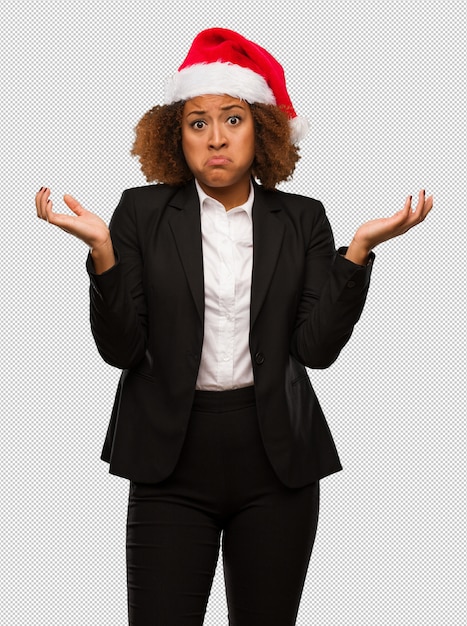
(218,78)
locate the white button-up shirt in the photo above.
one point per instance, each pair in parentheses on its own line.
(227,238)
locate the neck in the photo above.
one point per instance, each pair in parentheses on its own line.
(230,197)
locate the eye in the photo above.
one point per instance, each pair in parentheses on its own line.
(198,124)
(234,120)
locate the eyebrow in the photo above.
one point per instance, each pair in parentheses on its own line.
(227,107)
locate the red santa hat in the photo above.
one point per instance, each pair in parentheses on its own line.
(220,61)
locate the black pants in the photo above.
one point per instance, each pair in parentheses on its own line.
(223,485)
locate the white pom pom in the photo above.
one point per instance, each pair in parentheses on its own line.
(299,128)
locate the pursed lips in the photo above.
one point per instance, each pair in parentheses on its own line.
(218,159)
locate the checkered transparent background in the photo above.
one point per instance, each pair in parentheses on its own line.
(383,85)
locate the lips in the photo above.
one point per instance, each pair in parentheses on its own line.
(218,160)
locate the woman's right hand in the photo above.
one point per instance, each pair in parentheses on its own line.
(83,224)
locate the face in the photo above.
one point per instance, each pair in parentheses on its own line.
(218,142)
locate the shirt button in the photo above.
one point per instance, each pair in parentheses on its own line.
(259,358)
(351,284)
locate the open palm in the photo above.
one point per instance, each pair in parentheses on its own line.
(84,225)
(376,231)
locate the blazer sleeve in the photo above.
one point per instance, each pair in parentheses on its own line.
(118,309)
(332,299)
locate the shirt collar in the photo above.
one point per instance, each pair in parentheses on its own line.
(247,206)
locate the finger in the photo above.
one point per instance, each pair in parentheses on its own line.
(407,210)
(428,206)
(37,198)
(401,217)
(414,216)
(405,219)
(73,204)
(421,203)
(48,211)
(424,206)
(43,201)
(46,207)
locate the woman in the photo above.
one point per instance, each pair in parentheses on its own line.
(212,293)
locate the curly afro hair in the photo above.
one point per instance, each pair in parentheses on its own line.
(158,144)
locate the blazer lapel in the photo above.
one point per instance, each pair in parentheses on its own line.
(186,228)
(268,233)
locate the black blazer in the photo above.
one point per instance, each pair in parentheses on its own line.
(147,319)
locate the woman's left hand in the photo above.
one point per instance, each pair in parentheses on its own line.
(374,232)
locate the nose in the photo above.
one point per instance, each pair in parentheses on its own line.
(217,137)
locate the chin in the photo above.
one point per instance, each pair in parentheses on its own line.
(218,182)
